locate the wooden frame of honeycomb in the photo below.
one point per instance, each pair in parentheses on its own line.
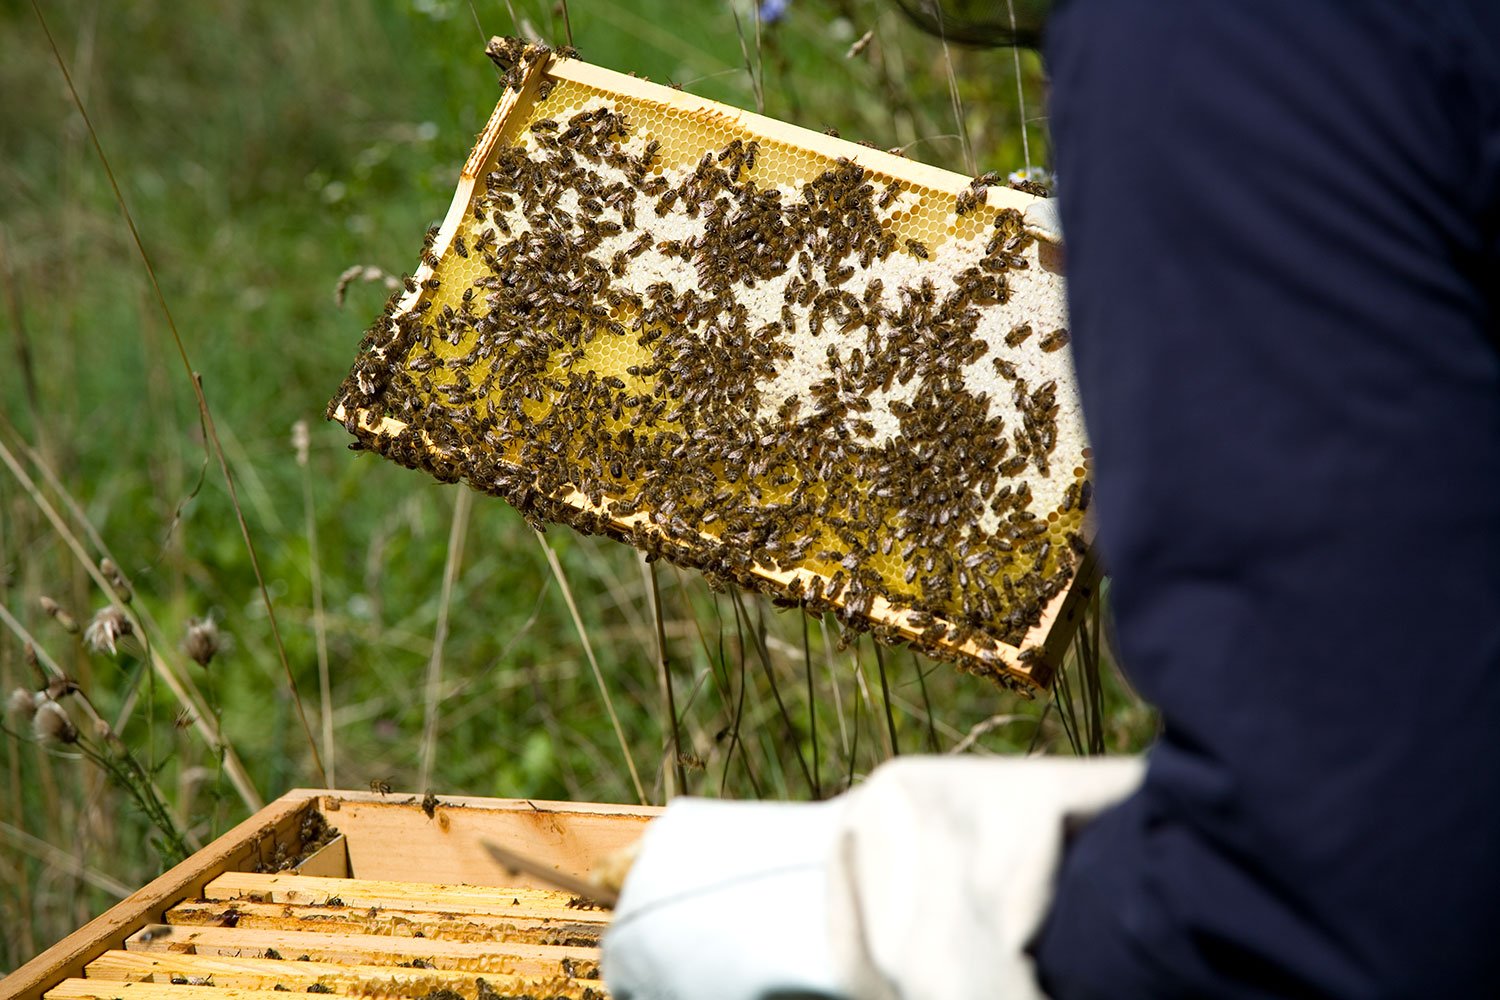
(316,893)
(799,364)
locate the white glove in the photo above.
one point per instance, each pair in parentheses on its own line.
(1042,221)
(727,900)
(927,881)
(946,869)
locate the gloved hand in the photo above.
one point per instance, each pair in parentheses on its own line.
(1042,221)
(727,900)
(945,870)
(925,883)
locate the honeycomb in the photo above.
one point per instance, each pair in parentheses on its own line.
(790,362)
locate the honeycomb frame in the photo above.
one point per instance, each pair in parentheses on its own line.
(922,220)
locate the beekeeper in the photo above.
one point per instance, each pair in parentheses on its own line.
(1283,244)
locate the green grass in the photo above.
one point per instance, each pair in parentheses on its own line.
(262,150)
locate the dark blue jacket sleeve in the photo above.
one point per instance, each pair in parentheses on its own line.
(1282,236)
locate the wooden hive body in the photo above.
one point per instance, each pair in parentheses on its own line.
(802,365)
(354,893)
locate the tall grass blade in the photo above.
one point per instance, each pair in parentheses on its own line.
(812,706)
(666,675)
(320,618)
(764,655)
(588,648)
(432,692)
(1015,52)
(932,737)
(885,698)
(206,415)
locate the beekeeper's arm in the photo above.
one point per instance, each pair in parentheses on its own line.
(929,880)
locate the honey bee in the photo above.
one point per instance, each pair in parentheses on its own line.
(380,785)
(918,248)
(1077,544)
(1013,466)
(1056,340)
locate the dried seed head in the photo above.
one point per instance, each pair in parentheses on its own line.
(60,687)
(116,578)
(67,621)
(202,641)
(20,707)
(52,725)
(107,627)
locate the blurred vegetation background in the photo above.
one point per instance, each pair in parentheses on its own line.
(263,150)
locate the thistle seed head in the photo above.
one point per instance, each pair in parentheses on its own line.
(60,687)
(116,579)
(203,640)
(52,725)
(20,707)
(107,627)
(54,611)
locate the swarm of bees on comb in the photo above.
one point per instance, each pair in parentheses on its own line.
(793,363)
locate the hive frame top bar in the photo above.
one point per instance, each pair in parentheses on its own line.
(1046,641)
(712,112)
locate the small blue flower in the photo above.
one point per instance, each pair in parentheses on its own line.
(772,10)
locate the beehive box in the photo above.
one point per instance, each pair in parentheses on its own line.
(799,364)
(354,893)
